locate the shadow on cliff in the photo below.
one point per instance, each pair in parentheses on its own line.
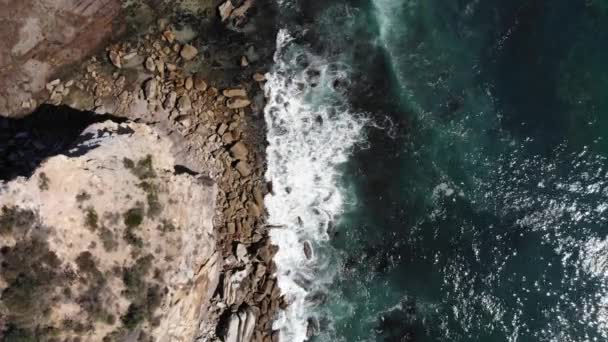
(49,131)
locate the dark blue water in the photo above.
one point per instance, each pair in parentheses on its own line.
(475,201)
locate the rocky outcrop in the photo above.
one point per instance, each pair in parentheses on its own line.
(107,241)
(39,37)
(240,326)
(206,97)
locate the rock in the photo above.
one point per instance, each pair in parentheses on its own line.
(258,196)
(243,168)
(222,128)
(170,100)
(225,10)
(189,83)
(188,52)
(227,138)
(199,83)
(238,102)
(258,77)
(51,85)
(241,253)
(236,92)
(184,120)
(150,65)
(241,10)
(184,104)
(169,36)
(233,293)
(254,210)
(232,335)
(150,89)
(160,66)
(241,326)
(129,56)
(239,151)
(244,61)
(313,327)
(115,59)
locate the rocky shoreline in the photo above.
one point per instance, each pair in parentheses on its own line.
(168,78)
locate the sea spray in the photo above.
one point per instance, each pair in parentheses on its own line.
(310,134)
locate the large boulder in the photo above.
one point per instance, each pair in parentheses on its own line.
(107,240)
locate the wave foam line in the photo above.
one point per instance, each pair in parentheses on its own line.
(310,133)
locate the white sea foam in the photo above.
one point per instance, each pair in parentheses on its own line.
(310,133)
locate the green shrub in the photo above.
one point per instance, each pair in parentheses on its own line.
(133,217)
(166,226)
(107,239)
(145,297)
(88,268)
(142,169)
(154,205)
(133,239)
(91,218)
(82,196)
(32,273)
(43,181)
(13,218)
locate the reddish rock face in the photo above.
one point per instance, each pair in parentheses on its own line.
(39,38)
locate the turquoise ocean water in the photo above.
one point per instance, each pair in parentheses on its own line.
(446,161)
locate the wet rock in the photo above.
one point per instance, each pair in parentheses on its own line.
(308,250)
(188,52)
(313,327)
(258,77)
(150,89)
(235,92)
(244,61)
(239,151)
(316,298)
(184,104)
(238,102)
(225,10)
